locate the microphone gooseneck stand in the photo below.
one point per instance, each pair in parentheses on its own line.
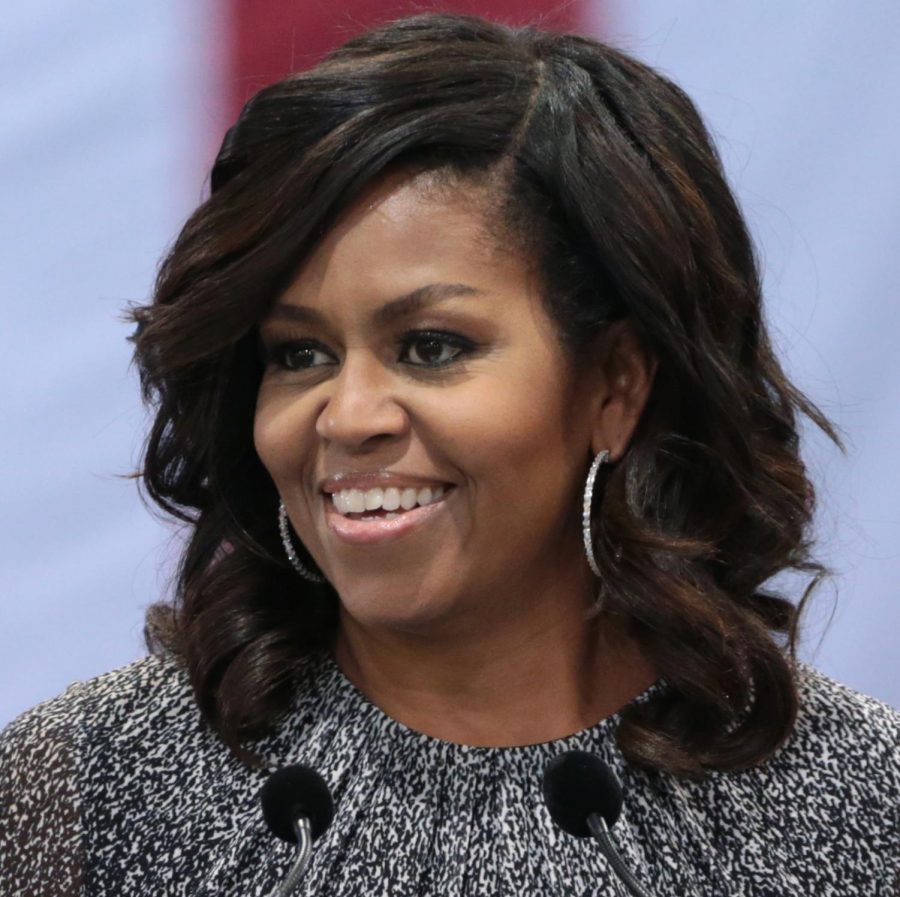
(602,835)
(303,832)
(298,808)
(584,798)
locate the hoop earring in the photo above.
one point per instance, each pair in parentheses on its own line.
(289,550)
(601,458)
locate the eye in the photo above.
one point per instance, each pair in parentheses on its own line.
(433,349)
(296,355)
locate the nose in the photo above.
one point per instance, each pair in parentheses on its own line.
(361,405)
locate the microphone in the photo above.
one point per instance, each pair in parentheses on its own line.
(584,798)
(298,808)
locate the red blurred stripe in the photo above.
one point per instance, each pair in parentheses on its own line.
(270,38)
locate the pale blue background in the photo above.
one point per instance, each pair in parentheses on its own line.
(108,109)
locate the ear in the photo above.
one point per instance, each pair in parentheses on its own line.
(623,378)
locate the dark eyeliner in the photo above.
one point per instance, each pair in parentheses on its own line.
(276,353)
(466,346)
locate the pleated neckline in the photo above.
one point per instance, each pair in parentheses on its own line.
(324,690)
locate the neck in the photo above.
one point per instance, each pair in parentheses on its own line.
(538,678)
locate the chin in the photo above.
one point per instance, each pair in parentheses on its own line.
(398,610)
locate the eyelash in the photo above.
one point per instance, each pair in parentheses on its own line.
(277,354)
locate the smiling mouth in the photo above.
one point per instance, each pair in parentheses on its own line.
(385,504)
(379,524)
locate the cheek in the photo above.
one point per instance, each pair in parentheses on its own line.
(512,435)
(278,435)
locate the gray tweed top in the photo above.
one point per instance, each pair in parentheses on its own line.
(117,787)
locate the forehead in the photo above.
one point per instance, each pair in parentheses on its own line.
(400,198)
(402,232)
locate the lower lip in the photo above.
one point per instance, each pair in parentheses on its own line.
(376,531)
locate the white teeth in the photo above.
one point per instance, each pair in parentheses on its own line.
(356,501)
(341,502)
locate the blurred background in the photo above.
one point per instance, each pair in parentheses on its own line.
(113,110)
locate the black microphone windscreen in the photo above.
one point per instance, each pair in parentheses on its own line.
(577,784)
(292,792)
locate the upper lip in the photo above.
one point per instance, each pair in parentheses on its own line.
(382,479)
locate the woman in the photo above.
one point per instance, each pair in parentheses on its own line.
(463,388)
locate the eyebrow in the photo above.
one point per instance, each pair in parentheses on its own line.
(401,307)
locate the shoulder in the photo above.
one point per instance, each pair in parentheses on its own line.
(840,767)
(70,760)
(132,696)
(825,807)
(844,733)
(124,716)
(821,815)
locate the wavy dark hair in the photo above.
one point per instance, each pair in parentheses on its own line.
(603,169)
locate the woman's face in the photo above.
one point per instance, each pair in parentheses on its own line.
(412,353)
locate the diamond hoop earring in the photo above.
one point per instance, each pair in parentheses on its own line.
(289,550)
(601,458)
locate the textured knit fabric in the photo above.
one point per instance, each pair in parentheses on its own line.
(117,787)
